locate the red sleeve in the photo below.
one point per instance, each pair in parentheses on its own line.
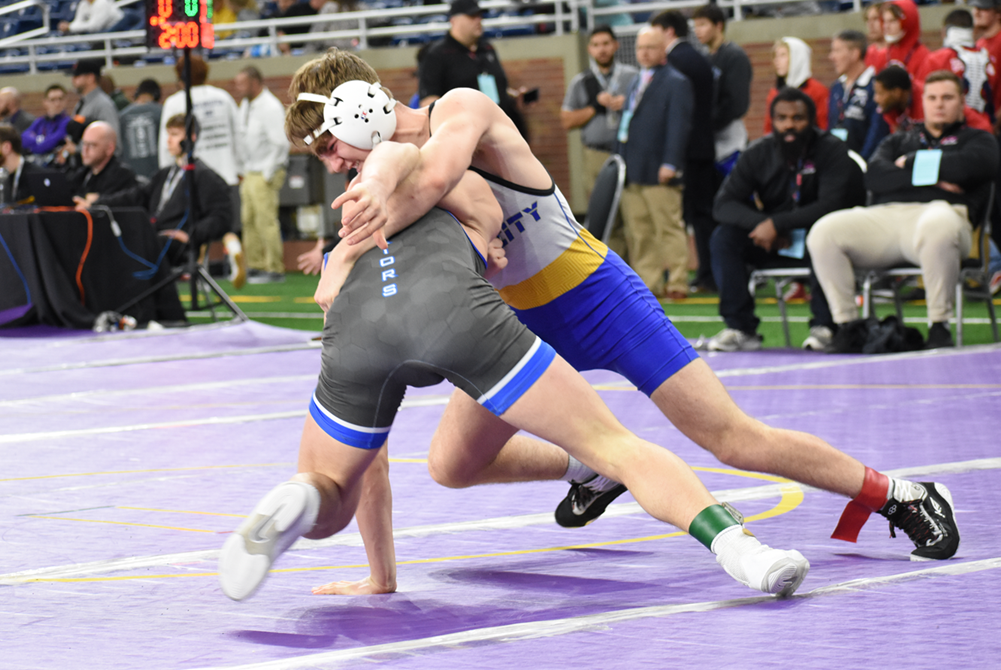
(820,96)
(916,65)
(978,120)
(917,107)
(876,57)
(768,109)
(993,47)
(941,59)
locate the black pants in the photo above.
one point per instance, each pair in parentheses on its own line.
(732,253)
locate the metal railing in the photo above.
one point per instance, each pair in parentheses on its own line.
(369,27)
(18,7)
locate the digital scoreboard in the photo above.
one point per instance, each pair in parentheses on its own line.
(181,24)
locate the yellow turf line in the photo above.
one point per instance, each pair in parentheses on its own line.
(792,497)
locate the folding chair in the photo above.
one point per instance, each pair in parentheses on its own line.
(973,269)
(604,203)
(783,277)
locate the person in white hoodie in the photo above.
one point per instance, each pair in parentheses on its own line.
(218,144)
(93,16)
(793,68)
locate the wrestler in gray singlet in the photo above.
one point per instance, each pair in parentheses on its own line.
(412,315)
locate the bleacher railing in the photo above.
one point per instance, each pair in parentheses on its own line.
(18,8)
(397,25)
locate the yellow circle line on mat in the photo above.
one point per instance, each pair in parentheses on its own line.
(791,498)
(178,511)
(123,523)
(197,467)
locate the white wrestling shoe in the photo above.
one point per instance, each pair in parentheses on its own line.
(757,565)
(285,514)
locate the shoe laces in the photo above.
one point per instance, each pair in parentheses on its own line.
(912,518)
(582,494)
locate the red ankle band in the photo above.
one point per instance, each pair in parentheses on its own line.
(871,498)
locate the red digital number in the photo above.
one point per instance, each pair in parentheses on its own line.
(181,35)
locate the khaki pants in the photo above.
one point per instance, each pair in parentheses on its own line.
(262,237)
(655,235)
(935,236)
(593,160)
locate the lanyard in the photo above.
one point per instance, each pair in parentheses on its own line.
(796,182)
(604,80)
(168,187)
(17,179)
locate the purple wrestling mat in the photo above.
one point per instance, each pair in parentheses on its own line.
(126,459)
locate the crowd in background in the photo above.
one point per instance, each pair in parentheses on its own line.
(824,151)
(118,152)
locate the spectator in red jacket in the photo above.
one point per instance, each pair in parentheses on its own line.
(792,59)
(873,33)
(902,32)
(987,29)
(976,67)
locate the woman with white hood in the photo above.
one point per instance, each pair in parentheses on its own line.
(793,68)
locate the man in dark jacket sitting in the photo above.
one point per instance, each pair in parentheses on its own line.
(928,184)
(102,173)
(166,197)
(779,187)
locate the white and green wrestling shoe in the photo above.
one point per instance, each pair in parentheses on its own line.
(753,564)
(284,515)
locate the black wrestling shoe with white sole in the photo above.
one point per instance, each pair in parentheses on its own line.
(929,521)
(586,501)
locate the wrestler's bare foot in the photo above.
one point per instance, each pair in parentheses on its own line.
(365,587)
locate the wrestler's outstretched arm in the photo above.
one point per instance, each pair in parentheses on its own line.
(375,523)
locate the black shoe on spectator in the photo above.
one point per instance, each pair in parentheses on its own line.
(939,336)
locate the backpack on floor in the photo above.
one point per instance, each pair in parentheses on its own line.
(872,336)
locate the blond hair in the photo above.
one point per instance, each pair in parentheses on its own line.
(321,76)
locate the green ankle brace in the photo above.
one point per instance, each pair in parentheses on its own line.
(709,523)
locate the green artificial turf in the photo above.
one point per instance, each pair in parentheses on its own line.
(290,305)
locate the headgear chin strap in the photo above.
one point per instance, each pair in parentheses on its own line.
(357,112)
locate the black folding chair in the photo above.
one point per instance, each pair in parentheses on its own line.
(603,206)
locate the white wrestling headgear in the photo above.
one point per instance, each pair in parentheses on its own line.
(357,112)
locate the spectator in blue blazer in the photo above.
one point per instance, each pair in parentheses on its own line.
(653,140)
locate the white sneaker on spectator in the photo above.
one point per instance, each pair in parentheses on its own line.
(237,260)
(796,291)
(731,339)
(820,338)
(995,284)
